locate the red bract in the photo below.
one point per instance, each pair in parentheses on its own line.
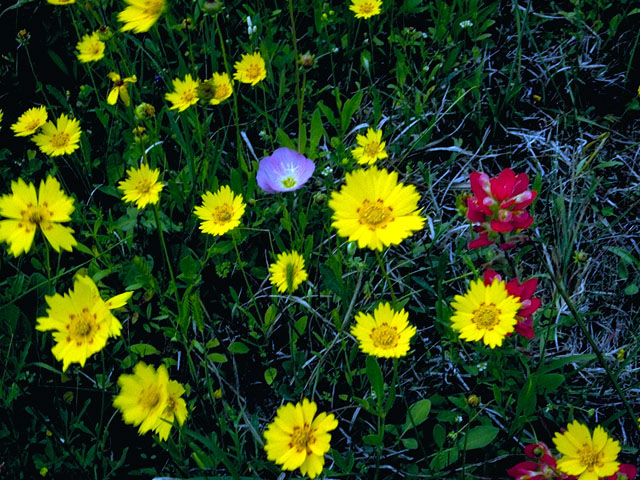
(498,205)
(524,291)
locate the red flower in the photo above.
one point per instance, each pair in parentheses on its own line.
(625,472)
(524,326)
(499,205)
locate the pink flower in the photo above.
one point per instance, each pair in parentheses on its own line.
(524,291)
(625,472)
(283,171)
(498,205)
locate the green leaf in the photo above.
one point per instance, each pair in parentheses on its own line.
(143,349)
(238,348)
(527,397)
(417,414)
(439,435)
(631,289)
(270,375)
(409,443)
(549,382)
(480,436)
(58,61)
(372,439)
(317,130)
(375,377)
(217,357)
(350,107)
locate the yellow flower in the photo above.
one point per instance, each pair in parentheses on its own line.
(120,88)
(141,186)
(175,409)
(250,69)
(384,334)
(61,2)
(295,439)
(90,48)
(82,321)
(59,139)
(220,211)
(216,89)
(140,15)
(485,312)
(584,456)
(185,93)
(30,121)
(370,147)
(1,116)
(365,8)
(375,210)
(288,272)
(27,211)
(143,396)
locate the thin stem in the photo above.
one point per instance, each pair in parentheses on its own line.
(386,276)
(297,74)
(174,286)
(244,275)
(266,114)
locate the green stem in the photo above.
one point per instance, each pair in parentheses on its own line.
(266,114)
(174,286)
(244,275)
(386,276)
(297,74)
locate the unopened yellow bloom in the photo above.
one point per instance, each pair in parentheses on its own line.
(120,88)
(27,211)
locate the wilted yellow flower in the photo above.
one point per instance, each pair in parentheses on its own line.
(250,69)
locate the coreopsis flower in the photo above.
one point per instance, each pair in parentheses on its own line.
(374,209)
(587,456)
(216,89)
(250,69)
(27,211)
(283,171)
(370,147)
(498,205)
(174,410)
(141,186)
(30,121)
(60,138)
(220,211)
(524,292)
(486,312)
(82,321)
(384,334)
(288,272)
(90,48)
(297,438)
(120,88)
(143,396)
(185,93)
(140,15)
(365,8)
(61,2)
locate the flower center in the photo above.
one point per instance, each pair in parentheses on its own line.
(34,216)
(366,8)
(221,91)
(590,458)
(81,327)
(301,438)
(223,213)
(144,187)
(385,336)
(60,139)
(486,316)
(375,214)
(32,125)
(253,70)
(189,96)
(289,182)
(152,7)
(95,48)
(150,397)
(371,149)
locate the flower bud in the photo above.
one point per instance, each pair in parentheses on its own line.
(473,400)
(104,33)
(144,111)
(212,7)
(307,60)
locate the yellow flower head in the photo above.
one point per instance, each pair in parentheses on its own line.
(141,186)
(370,147)
(220,211)
(143,396)
(61,2)
(375,210)
(297,438)
(175,409)
(485,312)
(30,121)
(584,456)
(82,321)
(365,8)
(216,89)
(90,48)
(26,212)
(59,139)
(120,88)
(288,272)
(384,334)
(250,69)
(185,93)
(140,15)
